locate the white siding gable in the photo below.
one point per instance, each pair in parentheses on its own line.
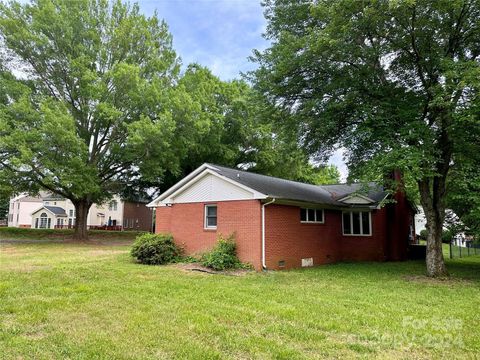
(353,199)
(211,188)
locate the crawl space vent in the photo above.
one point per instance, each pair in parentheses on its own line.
(307,262)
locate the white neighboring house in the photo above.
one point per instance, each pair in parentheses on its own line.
(21,208)
(50,212)
(451,218)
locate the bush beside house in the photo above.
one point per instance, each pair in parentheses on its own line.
(156,249)
(223,256)
(160,249)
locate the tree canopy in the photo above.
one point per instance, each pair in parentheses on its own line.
(463,186)
(99,106)
(98,74)
(392,82)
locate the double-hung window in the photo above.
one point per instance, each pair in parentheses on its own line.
(112,206)
(311,216)
(210,217)
(357,223)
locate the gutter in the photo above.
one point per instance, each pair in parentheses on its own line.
(264,265)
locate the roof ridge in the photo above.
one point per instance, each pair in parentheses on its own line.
(294,181)
(268,176)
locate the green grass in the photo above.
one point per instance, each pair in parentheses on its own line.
(61,234)
(81,301)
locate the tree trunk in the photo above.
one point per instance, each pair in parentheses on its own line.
(81,211)
(435,262)
(431,199)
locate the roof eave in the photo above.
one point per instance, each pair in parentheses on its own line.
(323,205)
(200,171)
(178,185)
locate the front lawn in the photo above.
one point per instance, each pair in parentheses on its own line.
(84,301)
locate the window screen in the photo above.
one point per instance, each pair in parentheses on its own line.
(210,216)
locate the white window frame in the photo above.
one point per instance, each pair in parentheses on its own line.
(308,221)
(43,223)
(113,205)
(361,223)
(205,212)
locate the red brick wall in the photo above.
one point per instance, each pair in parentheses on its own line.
(186,223)
(289,240)
(365,248)
(137,214)
(286,238)
(399,219)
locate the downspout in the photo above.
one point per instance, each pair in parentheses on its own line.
(264,264)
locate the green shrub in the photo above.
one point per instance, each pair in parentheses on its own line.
(223,256)
(423,235)
(447,236)
(155,249)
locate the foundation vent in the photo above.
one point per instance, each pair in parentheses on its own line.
(307,262)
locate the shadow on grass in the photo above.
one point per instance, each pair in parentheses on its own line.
(459,269)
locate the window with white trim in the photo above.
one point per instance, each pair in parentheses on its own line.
(210,217)
(43,221)
(112,206)
(311,216)
(357,223)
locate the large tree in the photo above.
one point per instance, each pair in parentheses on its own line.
(463,185)
(390,81)
(99,76)
(4,206)
(227,123)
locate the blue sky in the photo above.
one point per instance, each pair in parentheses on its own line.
(219,34)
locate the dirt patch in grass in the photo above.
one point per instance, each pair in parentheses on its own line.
(102,242)
(37,333)
(13,251)
(448,281)
(203,269)
(100,252)
(31,268)
(25,267)
(8,249)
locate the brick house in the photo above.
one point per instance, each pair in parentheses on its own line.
(285,224)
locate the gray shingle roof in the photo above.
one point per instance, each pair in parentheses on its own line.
(293,190)
(57,210)
(371,190)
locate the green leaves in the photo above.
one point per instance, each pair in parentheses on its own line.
(95,69)
(386,80)
(382,79)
